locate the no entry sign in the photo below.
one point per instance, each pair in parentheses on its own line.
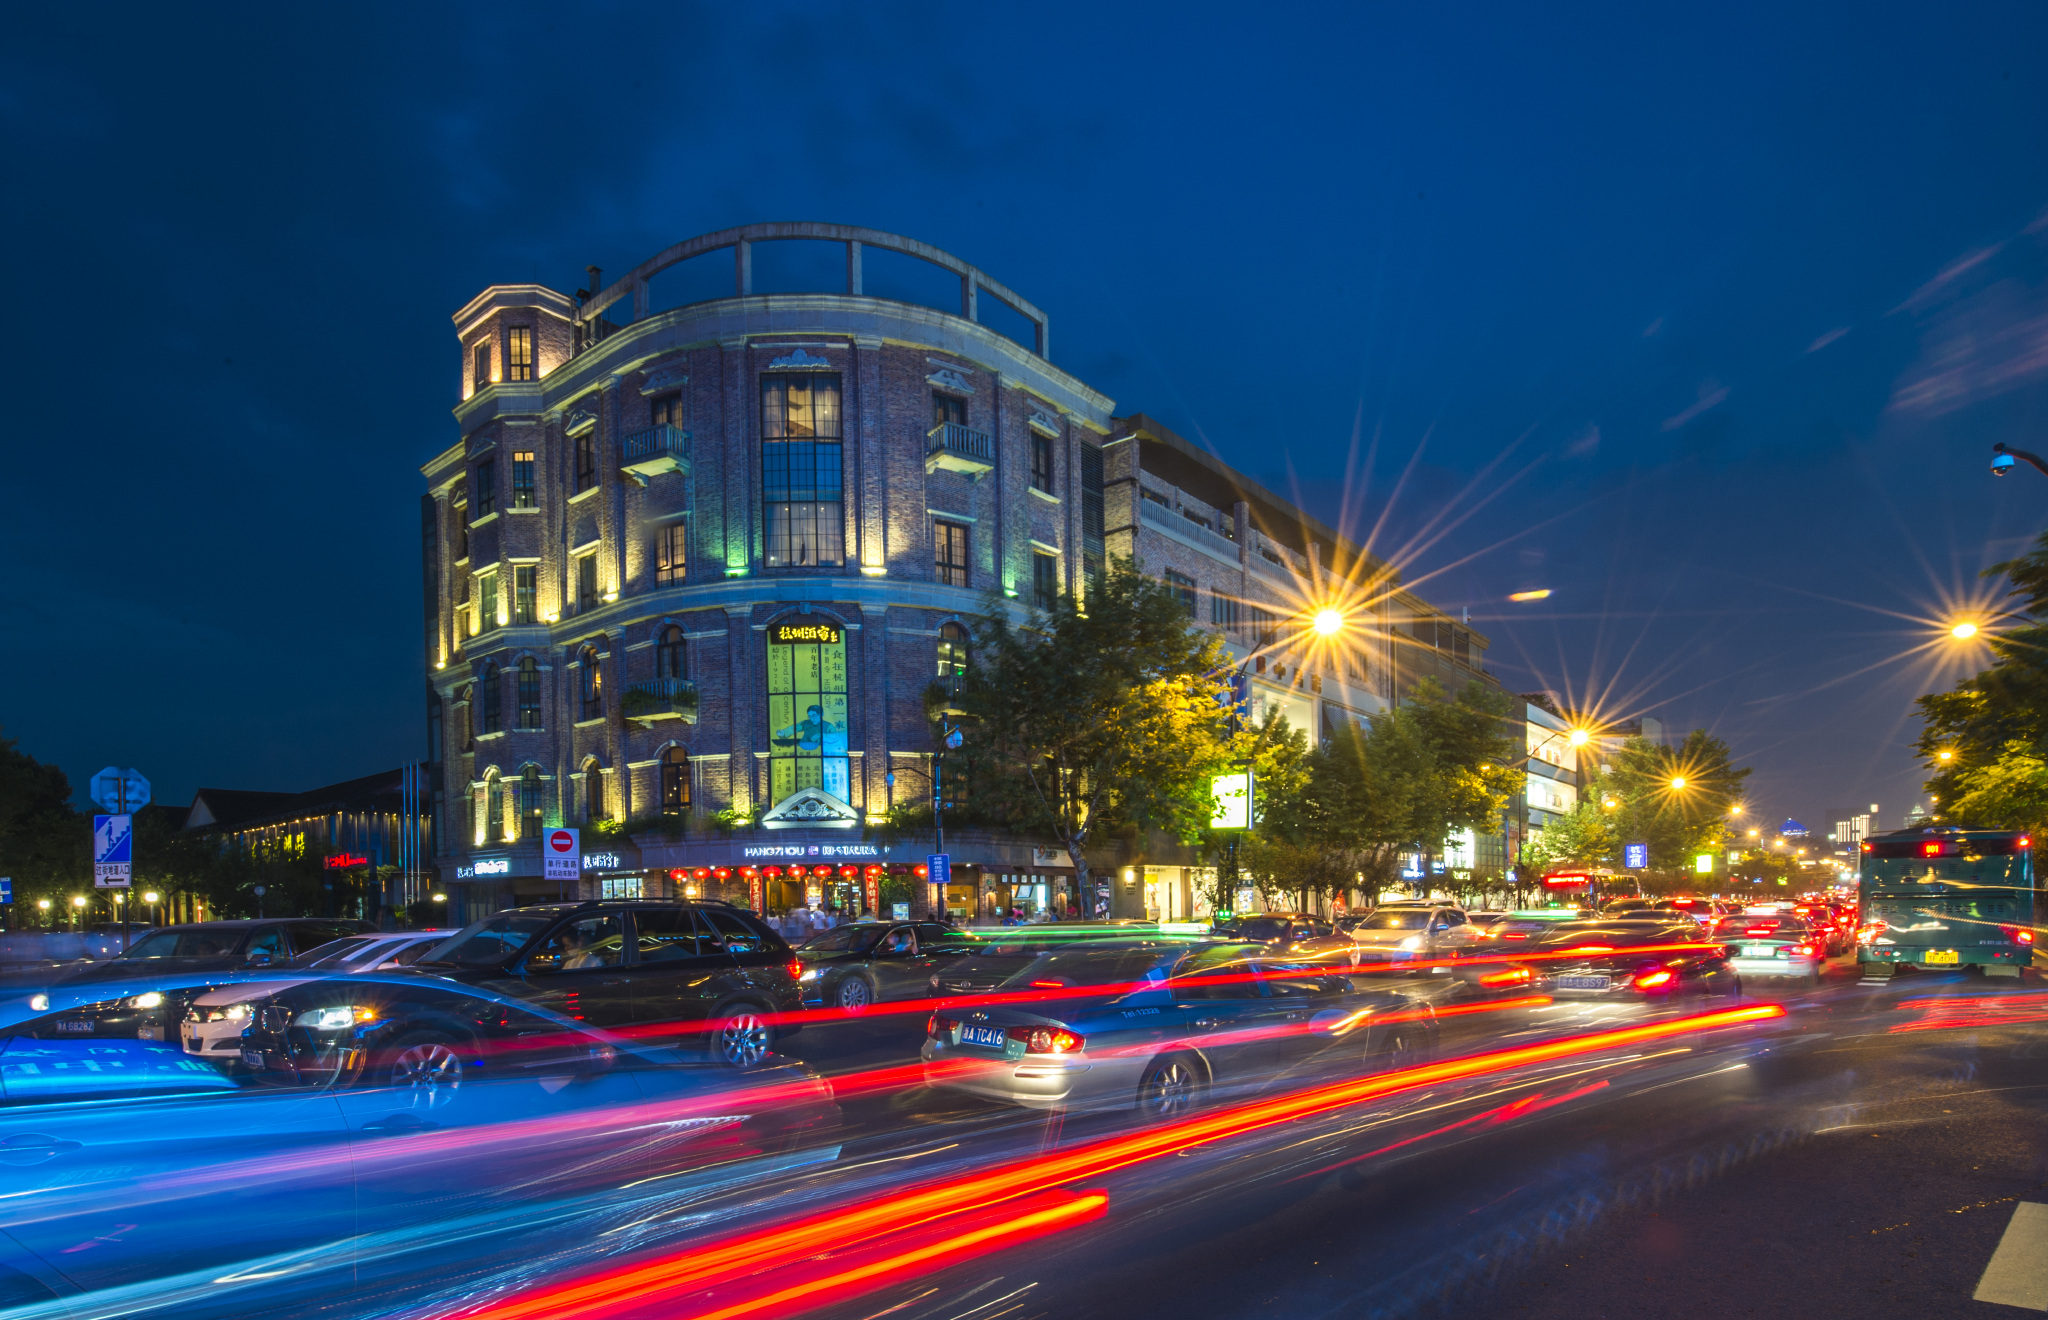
(561,855)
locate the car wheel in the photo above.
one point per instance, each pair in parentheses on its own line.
(744,1037)
(854,994)
(426,1063)
(1170,1088)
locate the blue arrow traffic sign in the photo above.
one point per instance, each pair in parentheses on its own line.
(113,851)
(6,889)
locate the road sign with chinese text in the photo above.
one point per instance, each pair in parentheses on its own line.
(113,851)
(561,855)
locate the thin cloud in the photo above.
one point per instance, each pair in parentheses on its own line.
(1708,399)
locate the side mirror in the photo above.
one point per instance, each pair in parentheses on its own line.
(259,960)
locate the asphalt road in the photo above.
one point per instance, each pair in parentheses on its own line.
(1861,1157)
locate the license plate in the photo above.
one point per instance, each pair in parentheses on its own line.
(252,1058)
(1943,956)
(1583,982)
(1759,951)
(149,1033)
(992,1037)
(75,1028)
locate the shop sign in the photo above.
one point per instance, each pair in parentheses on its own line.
(342,861)
(604,861)
(811,628)
(485,866)
(812,850)
(1050,857)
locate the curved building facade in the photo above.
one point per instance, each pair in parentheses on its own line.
(691,571)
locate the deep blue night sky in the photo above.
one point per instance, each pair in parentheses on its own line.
(1704,323)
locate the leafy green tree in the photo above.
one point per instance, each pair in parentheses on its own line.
(1676,799)
(1583,836)
(1085,723)
(45,843)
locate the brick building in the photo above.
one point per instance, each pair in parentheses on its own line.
(701,549)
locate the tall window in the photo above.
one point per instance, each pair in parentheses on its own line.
(801,477)
(522,480)
(593,792)
(493,694)
(948,408)
(494,815)
(586,460)
(485,498)
(434,734)
(807,715)
(1091,517)
(462,531)
(525,594)
(529,694)
(593,683)
(529,802)
(481,376)
(671,552)
(1183,588)
(465,611)
(468,703)
(586,581)
(487,601)
(952,655)
(1045,579)
(1041,462)
(667,410)
(519,353)
(669,659)
(675,782)
(949,548)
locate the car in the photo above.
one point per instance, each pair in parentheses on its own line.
(1299,936)
(1834,935)
(1396,936)
(995,956)
(710,977)
(1160,1027)
(872,962)
(216,946)
(1508,929)
(1767,944)
(214,1021)
(169,1163)
(1628,960)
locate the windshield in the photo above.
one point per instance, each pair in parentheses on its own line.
(492,940)
(1759,926)
(1905,875)
(1405,919)
(185,944)
(1085,967)
(846,939)
(1262,928)
(345,949)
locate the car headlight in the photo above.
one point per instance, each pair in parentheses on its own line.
(1412,943)
(40,1003)
(148,999)
(339,1018)
(809,974)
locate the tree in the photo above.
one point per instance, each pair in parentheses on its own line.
(1086,722)
(1583,836)
(1676,799)
(45,844)
(1984,741)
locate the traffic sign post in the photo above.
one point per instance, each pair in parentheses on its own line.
(120,792)
(1635,856)
(113,851)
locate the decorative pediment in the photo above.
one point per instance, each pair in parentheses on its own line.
(581,418)
(799,361)
(661,379)
(1045,424)
(810,808)
(948,379)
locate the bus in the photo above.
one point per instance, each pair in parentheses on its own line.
(1943,896)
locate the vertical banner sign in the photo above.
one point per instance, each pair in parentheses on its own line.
(754,891)
(1233,797)
(6,889)
(1703,864)
(113,844)
(561,855)
(1635,856)
(939,870)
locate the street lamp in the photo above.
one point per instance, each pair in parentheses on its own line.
(1328,622)
(1580,737)
(2003,456)
(1678,783)
(1944,755)
(1963,631)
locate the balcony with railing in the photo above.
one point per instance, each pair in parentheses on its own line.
(958,448)
(1174,511)
(655,699)
(654,451)
(1277,561)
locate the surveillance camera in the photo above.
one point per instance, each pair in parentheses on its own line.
(2001,464)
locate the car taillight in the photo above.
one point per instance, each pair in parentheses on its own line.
(2019,934)
(1046,1040)
(938,1027)
(1048,985)
(1512,976)
(1759,930)
(794,968)
(1795,951)
(1654,980)
(1515,935)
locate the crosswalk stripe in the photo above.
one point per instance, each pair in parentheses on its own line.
(2018,1272)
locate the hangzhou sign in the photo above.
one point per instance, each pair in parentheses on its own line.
(806,628)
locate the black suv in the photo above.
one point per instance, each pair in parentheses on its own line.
(701,973)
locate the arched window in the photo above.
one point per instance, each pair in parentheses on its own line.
(494,814)
(593,792)
(434,749)
(593,682)
(494,697)
(529,693)
(675,782)
(529,801)
(468,700)
(670,660)
(952,655)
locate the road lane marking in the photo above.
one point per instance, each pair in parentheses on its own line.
(2018,1272)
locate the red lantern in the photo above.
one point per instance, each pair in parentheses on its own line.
(772,872)
(703,873)
(920,871)
(848,872)
(874,868)
(679,875)
(722,872)
(822,872)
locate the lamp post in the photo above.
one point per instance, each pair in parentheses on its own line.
(2002,457)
